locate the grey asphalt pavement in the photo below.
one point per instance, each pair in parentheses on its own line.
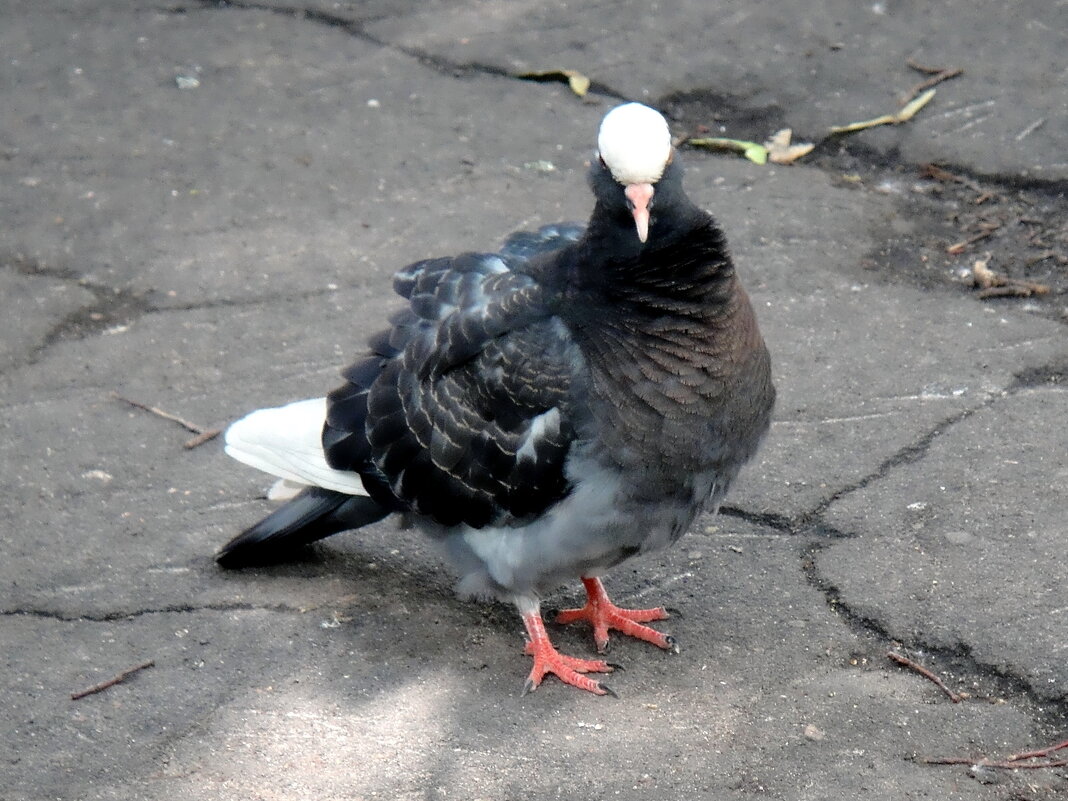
(201,206)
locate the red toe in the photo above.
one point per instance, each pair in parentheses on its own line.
(604,616)
(568,669)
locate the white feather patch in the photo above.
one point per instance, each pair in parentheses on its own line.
(635,144)
(285,490)
(545,424)
(286,442)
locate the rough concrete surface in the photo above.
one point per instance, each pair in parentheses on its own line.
(212,249)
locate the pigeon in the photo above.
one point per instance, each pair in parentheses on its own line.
(544,412)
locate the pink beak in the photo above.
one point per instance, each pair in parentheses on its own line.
(639,196)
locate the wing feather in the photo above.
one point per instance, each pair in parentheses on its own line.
(464,408)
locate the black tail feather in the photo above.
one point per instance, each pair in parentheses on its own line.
(312,515)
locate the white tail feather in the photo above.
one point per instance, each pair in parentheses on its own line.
(286,442)
(285,490)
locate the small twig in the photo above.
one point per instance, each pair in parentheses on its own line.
(959,247)
(904,660)
(1049,254)
(1015,289)
(995,285)
(925,70)
(202,434)
(1041,752)
(160,413)
(934,172)
(983,762)
(1059,763)
(1013,762)
(936,77)
(201,438)
(112,681)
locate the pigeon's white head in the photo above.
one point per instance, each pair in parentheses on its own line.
(634,144)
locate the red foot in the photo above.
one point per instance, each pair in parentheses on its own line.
(568,669)
(603,615)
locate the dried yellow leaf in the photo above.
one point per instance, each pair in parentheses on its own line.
(780,151)
(904,115)
(756,153)
(578,82)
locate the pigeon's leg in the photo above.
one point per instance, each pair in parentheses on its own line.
(547,659)
(604,615)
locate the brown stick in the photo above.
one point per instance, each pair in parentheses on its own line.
(936,173)
(202,434)
(1039,753)
(1013,289)
(112,681)
(989,763)
(160,413)
(925,70)
(958,247)
(1060,763)
(948,760)
(904,660)
(937,76)
(1041,257)
(201,438)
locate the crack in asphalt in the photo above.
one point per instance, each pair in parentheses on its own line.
(131,614)
(907,455)
(1052,711)
(772,520)
(112,307)
(805,525)
(358,29)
